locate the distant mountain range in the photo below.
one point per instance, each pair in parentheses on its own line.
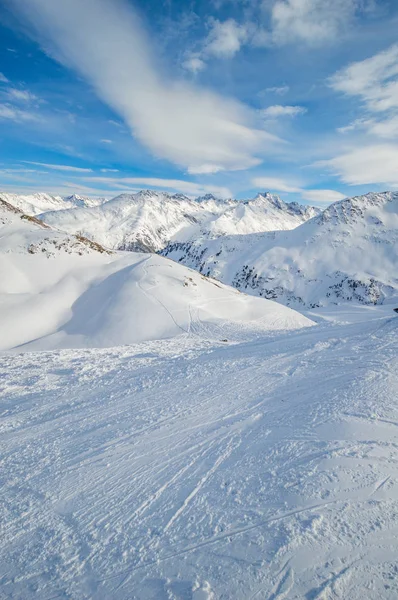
(149,220)
(298,255)
(34,204)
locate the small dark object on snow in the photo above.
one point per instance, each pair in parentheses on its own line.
(395,310)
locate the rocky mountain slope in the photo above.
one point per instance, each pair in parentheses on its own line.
(148,220)
(24,234)
(347,253)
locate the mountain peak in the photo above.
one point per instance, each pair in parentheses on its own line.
(351,210)
(268,198)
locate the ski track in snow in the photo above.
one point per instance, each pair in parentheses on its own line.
(187,469)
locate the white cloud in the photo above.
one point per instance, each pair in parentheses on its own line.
(176,185)
(275,184)
(367,165)
(273,112)
(105,141)
(58,167)
(354,125)
(280,91)
(384,129)
(194,64)
(313,21)
(190,126)
(16,95)
(280,22)
(225,38)
(3,78)
(322,196)
(12,171)
(374,80)
(11,113)
(109,170)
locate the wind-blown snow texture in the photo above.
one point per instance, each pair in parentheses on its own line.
(147,221)
(184,469)
(347,253)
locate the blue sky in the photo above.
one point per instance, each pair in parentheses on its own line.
(297,97)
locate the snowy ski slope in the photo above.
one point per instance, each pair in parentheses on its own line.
(189,469)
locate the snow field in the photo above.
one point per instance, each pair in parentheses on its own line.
(186,468)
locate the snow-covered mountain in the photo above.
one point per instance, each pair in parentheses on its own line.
(34,204)
(59,290)
(348,252)
(148,220)
(23,234)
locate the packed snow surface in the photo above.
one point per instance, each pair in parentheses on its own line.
(195,469)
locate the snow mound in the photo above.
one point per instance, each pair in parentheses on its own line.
(125,299)
(347,253)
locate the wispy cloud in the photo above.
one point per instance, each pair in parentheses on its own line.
(279,90)
(320,197)
(276,111)
(3,78)
(313,21)
(374,80)
(188,125)
(275,184)
(11,113)
(59,167)
(370,164)
(24,96)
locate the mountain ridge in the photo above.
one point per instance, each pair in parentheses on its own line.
(348,252)
(149,220)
